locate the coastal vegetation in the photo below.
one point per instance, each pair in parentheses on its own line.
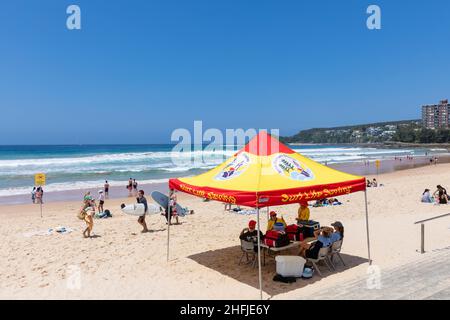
(407,131)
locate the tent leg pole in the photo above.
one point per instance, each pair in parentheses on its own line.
(168,226)
(259,256)
(367,228)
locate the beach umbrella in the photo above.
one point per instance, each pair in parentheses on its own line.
(267,173)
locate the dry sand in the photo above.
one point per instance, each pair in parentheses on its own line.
(122,263)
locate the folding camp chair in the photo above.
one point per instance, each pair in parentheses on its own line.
(336,251)
(322,256)
(248,247)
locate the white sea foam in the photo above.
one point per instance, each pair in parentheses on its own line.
(67,171)
(67,186)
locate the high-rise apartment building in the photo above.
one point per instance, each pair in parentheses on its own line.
(436,116)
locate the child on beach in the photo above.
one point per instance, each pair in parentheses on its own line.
(101,201)
(141,219)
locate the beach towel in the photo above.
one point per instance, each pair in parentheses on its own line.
(246,212)
(56,230)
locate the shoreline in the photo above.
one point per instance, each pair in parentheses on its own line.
(116,192)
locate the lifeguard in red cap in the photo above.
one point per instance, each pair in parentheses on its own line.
(250,234)
(274,219)
(303,211)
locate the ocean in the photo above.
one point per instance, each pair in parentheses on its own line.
(75,167)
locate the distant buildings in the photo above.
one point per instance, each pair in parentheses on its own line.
(436,116)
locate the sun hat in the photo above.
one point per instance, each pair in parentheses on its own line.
(337,224)
(100,191)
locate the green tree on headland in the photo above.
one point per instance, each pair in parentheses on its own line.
(410,131)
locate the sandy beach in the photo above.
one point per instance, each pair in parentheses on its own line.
(121,263)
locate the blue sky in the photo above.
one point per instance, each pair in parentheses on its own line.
(139,69)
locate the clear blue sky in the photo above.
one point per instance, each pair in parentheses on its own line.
(139,69)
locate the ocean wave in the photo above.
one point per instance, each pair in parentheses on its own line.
(68,186)
(113,158)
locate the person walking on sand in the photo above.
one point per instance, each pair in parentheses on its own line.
(173,205)
(89,213)
(106,189)
(135,186)
(33,195)
(39,195)
(141,219)
(130,187)
(101,201)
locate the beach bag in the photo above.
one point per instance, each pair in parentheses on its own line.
(294,232)
(276,239)
(81,214)
(280,278)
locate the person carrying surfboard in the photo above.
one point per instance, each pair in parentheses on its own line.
(141,219)
(173,205)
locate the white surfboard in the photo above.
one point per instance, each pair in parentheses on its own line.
(137,209)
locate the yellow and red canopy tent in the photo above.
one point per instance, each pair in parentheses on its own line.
(268,173)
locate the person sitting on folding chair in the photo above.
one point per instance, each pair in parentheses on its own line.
(311,250)
(338,232)
(250,234)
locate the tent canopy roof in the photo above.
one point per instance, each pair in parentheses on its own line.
(265,173)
